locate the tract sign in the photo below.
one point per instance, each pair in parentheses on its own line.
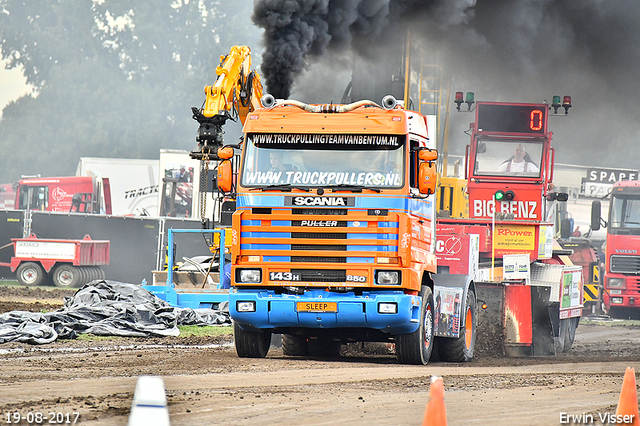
(449,246)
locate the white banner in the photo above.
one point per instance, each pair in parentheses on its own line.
(323,178)
(322,139)
(45,250)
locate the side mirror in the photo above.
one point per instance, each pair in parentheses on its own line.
(427,177)
(428,155)
(225,176)
(596,210)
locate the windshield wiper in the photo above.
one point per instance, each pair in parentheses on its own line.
(283,186)
(352,188)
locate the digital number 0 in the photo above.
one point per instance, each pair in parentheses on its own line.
(536,120)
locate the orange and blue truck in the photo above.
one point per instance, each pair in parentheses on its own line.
(333,239)
(338,234)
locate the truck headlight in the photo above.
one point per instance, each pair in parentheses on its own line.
(245,306)
(249,275)
(616,283)
(387,277)
(617,300)
(387,308)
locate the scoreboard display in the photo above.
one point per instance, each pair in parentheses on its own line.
(512,118)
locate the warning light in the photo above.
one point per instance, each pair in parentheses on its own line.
(469,99)
(555,104)
(501,195)
(566,104)
(484,306)
(458,99)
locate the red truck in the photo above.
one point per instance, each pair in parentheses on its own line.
(7,197)
(81,194)
(621,292)
(69,263)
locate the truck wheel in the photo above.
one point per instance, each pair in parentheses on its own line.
(293,345)
(31,273)
(570,333)
(101,274)
(251,344)
(462,348)
(66,276)
(324,348)
(416,347)
(83,274)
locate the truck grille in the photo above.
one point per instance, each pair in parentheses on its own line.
(283,236)
(313,247)
(633,284)
(333,212)
(625,264)
(318,259)
(320,235)
(321,275)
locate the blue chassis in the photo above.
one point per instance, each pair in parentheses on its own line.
(354,311)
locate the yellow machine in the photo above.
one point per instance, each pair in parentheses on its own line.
(236,92)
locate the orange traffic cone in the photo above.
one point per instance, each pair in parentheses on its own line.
(436,413)
(628,402)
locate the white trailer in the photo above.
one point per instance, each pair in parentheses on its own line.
(135,183)
(179,194)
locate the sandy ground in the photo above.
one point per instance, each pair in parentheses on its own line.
(206,383)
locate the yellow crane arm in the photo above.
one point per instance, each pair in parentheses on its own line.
(237,85)
(236,92)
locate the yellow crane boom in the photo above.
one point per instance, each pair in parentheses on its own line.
(236,92)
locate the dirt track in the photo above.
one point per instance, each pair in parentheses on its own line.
(208,384)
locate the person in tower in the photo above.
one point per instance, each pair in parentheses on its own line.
(519,162)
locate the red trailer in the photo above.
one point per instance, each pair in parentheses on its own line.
(69,263)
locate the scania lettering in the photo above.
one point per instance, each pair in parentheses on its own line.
(316,201)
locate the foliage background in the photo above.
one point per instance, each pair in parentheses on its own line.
(111,78)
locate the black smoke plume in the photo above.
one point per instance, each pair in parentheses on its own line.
(519,50)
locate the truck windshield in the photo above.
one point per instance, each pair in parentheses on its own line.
(512,157)
(371,161)
(625,212)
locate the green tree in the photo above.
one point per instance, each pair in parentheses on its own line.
(113,78)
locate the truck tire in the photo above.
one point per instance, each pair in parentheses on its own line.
(568,333)
(83,274)
(66,276)
(293,345)
(31,273)
(415,348)
(462,348)
(251,344)
(101,274)
(324,348)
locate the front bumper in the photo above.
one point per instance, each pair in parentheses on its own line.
(274,310)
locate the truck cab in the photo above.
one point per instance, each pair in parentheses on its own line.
(64,194)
